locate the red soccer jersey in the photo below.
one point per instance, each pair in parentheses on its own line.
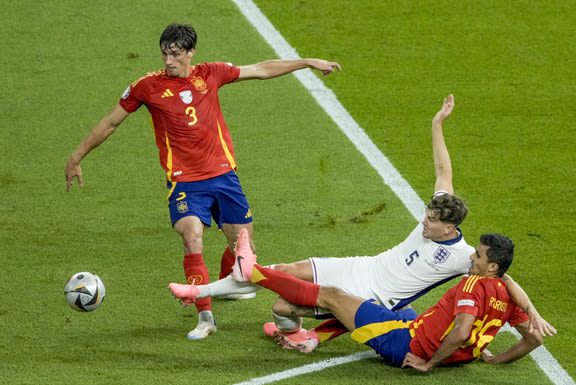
(193,140)
(485,298)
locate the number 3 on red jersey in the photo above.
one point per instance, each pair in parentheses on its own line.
(191,112)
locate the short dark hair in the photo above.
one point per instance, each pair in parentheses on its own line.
(182,36)
(500,251)
(449,208)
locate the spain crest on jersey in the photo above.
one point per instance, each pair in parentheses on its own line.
(186,96)
(441,255)
(199,84)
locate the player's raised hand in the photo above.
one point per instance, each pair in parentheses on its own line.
(446,110)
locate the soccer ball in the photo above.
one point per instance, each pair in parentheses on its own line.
(84,291)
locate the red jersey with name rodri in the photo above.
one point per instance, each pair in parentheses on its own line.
(485,298)
(193,139)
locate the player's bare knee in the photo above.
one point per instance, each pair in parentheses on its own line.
(281,307)
(287,268)
(192,241)
(301,269)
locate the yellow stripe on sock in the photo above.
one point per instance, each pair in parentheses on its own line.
(324,336)
(257,276)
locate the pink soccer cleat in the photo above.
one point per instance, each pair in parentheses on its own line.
(187,294)
(245,258)
(304,340)
(270,329)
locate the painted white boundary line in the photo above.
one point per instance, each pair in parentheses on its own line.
(328,101)
(546,361)
(334,109)
(315,367)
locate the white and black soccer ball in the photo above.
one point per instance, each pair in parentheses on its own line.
(85,291)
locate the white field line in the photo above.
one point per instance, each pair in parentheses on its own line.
(315,367)
(546,361)
(335,110)
(391,177)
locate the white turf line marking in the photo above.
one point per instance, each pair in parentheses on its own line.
(315,367)
(328,101)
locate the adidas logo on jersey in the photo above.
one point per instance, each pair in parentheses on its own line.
(167,93)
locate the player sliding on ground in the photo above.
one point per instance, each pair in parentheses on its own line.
(456,330)
(433,253)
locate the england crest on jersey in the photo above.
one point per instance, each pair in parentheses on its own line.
(441,255)
(186,96)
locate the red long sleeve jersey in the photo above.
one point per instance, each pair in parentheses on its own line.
(193,139)
(485,298)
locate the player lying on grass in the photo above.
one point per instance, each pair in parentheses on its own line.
(456,330)
(433,253)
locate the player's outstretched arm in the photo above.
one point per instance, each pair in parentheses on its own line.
(97,135)
(273,68)
(442,163)
(530,340)
(458,335)
(520,297)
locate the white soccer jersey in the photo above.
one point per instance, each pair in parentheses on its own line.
(397,276)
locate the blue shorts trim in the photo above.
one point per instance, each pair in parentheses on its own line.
(220,198)
(385,331)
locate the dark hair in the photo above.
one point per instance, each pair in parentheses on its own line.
(449,208)
(500,251)
(182,36)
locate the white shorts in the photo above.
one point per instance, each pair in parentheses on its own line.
(353,275)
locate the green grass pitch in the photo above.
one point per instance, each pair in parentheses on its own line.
(65,64)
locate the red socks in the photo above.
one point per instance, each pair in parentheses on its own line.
(197,273)
(292,289)
(329,329)
(226,263)
(297,292)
